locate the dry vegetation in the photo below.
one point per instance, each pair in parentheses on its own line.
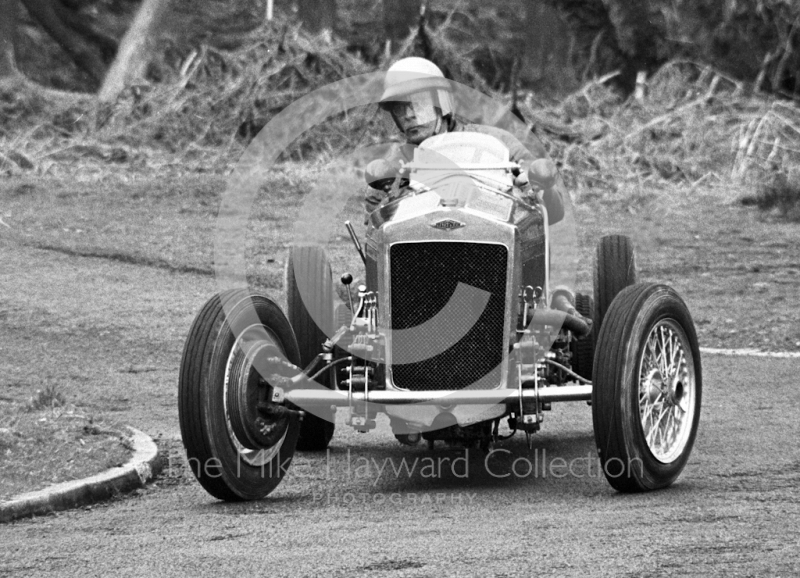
(696,125)
(213,104)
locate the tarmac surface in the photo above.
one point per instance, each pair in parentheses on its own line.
(370,507)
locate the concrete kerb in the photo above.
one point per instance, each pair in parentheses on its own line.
(141,468)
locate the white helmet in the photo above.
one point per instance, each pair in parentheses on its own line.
(411,75)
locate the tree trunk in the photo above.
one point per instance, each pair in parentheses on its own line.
(10,76)
(399,16)
(633,34)
(134,50)
(84,53)
(546,40)
(8,30)
(317,15)
(639,37)
(86,27)
(588,22)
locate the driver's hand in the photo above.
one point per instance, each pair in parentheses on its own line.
(380,174)
(543,173)
(521,180)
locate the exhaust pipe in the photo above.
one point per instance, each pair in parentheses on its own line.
(562,314)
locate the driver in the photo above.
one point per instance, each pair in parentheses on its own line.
(417,96)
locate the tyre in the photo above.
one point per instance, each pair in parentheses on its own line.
(583,348)
(309,301)
(239,444)
(647,388)
(614,269)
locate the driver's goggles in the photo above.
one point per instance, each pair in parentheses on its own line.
(422,106)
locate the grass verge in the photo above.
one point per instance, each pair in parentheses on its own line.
(47,441)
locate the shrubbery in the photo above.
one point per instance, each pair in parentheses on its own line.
(696,125)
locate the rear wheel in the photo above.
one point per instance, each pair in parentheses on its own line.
(614,269)
(239,444)
(309,300)
(647,388)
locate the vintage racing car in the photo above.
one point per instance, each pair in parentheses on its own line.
(456,328)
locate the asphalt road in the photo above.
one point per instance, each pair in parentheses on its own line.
(92,322)
(734,512)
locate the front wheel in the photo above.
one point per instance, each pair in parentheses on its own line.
(647,388)
(238,443)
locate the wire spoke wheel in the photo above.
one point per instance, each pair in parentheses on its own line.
(667,390)
(647,388)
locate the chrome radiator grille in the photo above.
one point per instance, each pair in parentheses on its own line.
(424,277)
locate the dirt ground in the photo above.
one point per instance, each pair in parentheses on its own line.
(106,276)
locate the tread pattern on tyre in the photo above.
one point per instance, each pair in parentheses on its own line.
(614,269)
(189,403)
(310,262)
(608,371)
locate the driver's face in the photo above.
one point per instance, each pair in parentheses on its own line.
(417,117)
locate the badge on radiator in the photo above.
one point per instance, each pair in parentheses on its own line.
(448,224)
